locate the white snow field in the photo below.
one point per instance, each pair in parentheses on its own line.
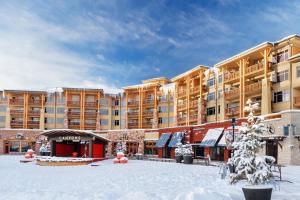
(136,180)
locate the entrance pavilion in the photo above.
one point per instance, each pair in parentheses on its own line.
(80,143)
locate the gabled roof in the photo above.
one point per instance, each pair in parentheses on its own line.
(189,72)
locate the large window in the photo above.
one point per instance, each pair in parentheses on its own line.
(162,109)
(220,78)
(281,96)
(103,111)
(211,96)
(19,146)
(211,111)
(298,71)
(211,82)
(282,76)
(60,110)
(281,57)
(103,122)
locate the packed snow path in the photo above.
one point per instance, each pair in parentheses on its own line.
(136,180)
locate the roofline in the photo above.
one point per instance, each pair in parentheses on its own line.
(198,67)
(85,89)
(140,86)
(24,91)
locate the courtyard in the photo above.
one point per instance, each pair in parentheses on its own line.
(136,180)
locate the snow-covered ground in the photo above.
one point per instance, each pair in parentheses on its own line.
(136,180)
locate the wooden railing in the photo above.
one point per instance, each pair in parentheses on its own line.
(90,114)
(73,113)
(73,103)
(232,94)
(254,87)
(193,117)
(181,119)
(34,112)
(147,113)
(181,106)
(16,123)
(74,123)
(91,104)
(17,112)
(33,122)
(254,68)
(131,114)
(194,104)
(232,111)
(148,101)
(35,102)
(230,76)
(133,103)
(181,93)
(195,90)
(16,101)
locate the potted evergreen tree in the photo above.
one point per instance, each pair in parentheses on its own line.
(179,152)
(187,154)
(248,164)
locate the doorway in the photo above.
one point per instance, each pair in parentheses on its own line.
(272,149)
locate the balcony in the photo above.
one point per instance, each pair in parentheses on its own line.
(147,125)
(35,102)
(90,126)
(181,120)
(148,101)
(232,111)
(148,113)
(181,106)
(194,104)
(297,101)
(73,114)
(232,94)
(133,114)
(195,90)
(16,112)
(73,103)
(90,114)
(253,88)
(181,93)
(254,69)
(91,104)
(133,125)
(33,123)
(231,76)
(16,124)
(133,103)
(34,112)
(193,118)
(17,102)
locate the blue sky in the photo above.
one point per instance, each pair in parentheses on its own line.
(110,44)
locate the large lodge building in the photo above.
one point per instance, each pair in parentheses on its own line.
(197,103)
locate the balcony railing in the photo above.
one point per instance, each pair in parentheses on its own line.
(193,117)
(232,111)
(254,68)
(90,125)
(235,93)
(74,123)
(74,103)
(147,113)
(73,113)
(231,76)
(181,93)
(90,114)
(195,90)
(35,102)
(194,104)
(133,114)
(31,122)
(16,123)
(148,101)
(133,103)
(34,112)
(16,112)
(252,88)
(133,125)
(16,101)
(91,104)
(181,106)
(147,124)
(181,119)
(297,101)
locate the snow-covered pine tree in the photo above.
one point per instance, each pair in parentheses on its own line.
(248,164)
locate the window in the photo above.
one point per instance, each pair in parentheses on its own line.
(160,120)
(49,110)
(219,109)
(116,122)
(282,76)
(220,93)
(49,120)
(60,120)
(2,108)
(280,57)
(116,102)
(75,98)
(162,109)
(2,118)
(103,111)
(211,82)
(211,96)
(116,112)
(60,110)
(282,96)
(103,102)
(104,122)
(298,71)
(211,111)
(220,78)
(286,130)
(171,109)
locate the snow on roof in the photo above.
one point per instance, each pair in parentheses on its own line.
(189,72)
